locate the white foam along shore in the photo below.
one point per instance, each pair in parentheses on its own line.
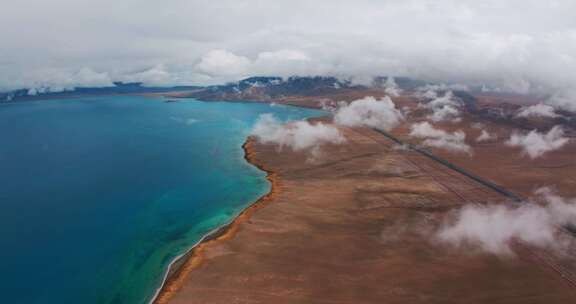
(214,232)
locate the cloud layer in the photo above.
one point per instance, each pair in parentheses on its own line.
(536,144)
(47,43)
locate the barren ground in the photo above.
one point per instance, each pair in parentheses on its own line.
(358,227)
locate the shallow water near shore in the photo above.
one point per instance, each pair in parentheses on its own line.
(99,194)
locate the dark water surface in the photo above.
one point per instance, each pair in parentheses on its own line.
(98,194)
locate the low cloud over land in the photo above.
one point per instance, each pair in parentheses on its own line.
(493,228)
(391,88)
(296,135)
(535,144)
(433,137)
(485,136)
(537,110)
(371,112)
(444,108)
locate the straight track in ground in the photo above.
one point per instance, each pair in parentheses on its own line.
(470,188)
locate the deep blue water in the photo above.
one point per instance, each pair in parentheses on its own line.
(98,194)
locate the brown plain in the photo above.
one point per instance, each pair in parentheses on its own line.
(358,227)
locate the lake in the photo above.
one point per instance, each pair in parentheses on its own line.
(99,194)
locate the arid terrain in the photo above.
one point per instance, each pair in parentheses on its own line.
(288,151)
(359,225)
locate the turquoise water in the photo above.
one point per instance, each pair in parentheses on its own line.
(99,194)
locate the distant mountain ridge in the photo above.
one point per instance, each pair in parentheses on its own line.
(271,87)
(274,87)
(252,88)
(118,88)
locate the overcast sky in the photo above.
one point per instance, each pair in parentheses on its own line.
(520,45)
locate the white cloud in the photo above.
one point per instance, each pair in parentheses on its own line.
(485,136)
(471,42)
(493,228)
(223,63)
(446,100)
(444,113)
(536,144)
(282,55)
(58,81)
(90,78)
(537,110)
(433,137)
(391,87)
(431,91)
(422,93)
(443,108)
(371,112)
(328,105)
(564,100)
(296,135)
(157,75)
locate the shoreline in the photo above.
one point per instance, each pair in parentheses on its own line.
(371,197)
(179,268)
